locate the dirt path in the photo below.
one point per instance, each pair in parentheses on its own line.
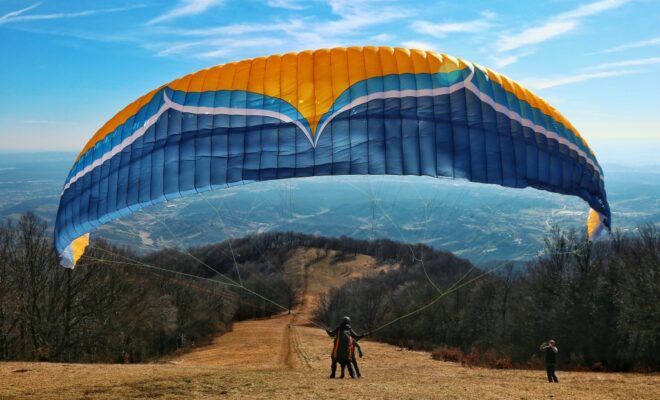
(280,358)
(277,342)
(254,344)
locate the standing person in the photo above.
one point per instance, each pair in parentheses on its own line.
(356,345)
(342,348)
(551,351)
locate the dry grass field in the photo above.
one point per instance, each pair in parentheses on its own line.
(281,358)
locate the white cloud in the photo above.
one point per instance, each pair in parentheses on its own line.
(286,4)
(224,47)
(626,63)
(536,35)
(596,7)
(218,48)
(351,22)
(186,8)
(419,45)
(236,29)
(383,37)
(444,29)
(19,15)
(634,45)
(14,14)
(506,60)
(556,26)
(124,37)
(566,80)
(599,71)
(217,53)
(441,30)
(356,21)
(179,48)
(355,15)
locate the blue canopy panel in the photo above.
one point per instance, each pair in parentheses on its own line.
(454,135)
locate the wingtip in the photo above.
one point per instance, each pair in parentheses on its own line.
(74,251)
(596,225)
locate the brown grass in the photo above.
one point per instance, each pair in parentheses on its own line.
(278,358)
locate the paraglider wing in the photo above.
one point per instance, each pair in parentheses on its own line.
(343,111)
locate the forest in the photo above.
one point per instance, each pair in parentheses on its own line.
(115,306)
(598,301)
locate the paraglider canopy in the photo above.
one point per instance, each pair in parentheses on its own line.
(341,111)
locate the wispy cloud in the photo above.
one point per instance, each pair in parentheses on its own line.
(186,8)
(555,26)
(536,35)
(21,16)
(441,30)
(350,22)
(383,37)
(178,48)
(634,45)
(599,71)
(286,4)
(235,29)
(218,48)
(355,15)
(503,60)
(626,63)
(224,47)
(356,20)
(123,37)
(14,14)
(233,38)
(593,8)
(419,45)
(566,80)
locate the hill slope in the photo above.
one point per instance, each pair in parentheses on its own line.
(282,358)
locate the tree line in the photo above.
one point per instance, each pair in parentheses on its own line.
(600,301)
(119,306)
(116,306)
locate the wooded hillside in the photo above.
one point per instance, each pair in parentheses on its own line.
(600,302)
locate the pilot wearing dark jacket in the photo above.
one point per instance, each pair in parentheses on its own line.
(343,347)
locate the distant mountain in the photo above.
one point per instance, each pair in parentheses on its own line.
(483,223)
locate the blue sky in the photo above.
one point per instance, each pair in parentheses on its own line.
(68,66)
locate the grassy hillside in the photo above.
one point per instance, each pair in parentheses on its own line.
(283,357)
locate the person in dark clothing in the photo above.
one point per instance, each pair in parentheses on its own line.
(550,349)
(343,347)
(356,345)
